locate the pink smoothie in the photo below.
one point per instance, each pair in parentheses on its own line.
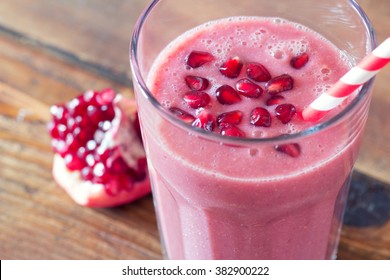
(217,200)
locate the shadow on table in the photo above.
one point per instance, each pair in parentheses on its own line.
(368,202)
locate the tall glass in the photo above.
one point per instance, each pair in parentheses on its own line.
(210,203)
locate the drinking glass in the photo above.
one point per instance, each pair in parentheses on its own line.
(210,201)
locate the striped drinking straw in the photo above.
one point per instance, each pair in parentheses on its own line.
(354,79)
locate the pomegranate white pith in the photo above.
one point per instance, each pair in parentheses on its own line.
(99,157)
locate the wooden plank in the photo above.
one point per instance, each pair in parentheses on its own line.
(37,219)
(95,32)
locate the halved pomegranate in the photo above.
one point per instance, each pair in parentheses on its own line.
(99,158)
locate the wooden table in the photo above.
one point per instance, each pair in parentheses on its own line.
(51,51)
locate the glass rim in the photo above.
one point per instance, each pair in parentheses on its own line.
(139,80)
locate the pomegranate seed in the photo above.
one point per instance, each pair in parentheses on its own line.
(62,131)
(183,115)
(100,172)
(108,112)
(197,58)
(205,120)
(87,173)
(56,111)
(112,187)
(72,143)
(90,97)
(105,97)
(196,99)
(291,149)
(73,163)
(60,147)
(52,128)
(196,83)
(227,95)
(285,112)
(299,61)
(82,153)
(117,165)
(104,125)
(102,157)
(231,68)
(77,106)
(260,117)
(232,130)
(90,160)
(233,117)
(71,124)
(91,145)
(94,114)
(82,122)
(257,72)
(248,88)
(59,114)
(275,100)
(98,136)
(126,182)
(82,135)
(278,84)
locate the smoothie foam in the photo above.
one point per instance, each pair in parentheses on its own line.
(248,202)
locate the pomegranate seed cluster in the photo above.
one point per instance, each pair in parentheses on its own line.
(257,83)
(78,129)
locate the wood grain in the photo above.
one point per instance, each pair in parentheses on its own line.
(94,32)
(374,159)
(53,50)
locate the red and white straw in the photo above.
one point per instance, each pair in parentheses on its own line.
(355,78)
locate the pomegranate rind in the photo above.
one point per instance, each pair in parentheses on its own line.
(93,195)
